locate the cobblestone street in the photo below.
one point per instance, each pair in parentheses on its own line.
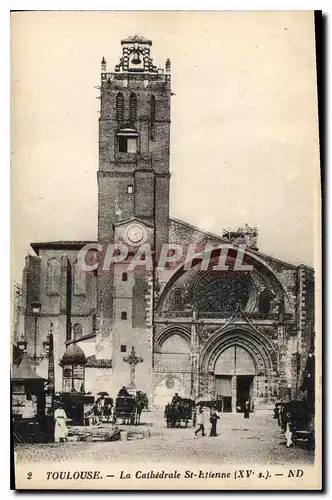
(256,440)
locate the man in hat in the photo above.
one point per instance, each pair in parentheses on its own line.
(176,399)
(123,393)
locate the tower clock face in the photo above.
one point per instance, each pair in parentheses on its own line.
(135,234)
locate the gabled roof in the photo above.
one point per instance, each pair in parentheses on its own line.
(220,239)
(195,228)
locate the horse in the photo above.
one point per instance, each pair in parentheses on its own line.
(108,412)
(173,414)
(141,403)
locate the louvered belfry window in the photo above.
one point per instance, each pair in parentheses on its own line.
(132,107)
(119,107)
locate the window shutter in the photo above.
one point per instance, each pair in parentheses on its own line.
(132,107)
(119,107)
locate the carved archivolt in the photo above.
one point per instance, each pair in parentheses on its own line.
(256,344)
(168,332)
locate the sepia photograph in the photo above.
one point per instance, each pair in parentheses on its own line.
(166,251)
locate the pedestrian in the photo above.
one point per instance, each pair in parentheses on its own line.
(176,399)
(289,431)
(200,422)
(60,428)
(213,419)
(96,414)
(206,419)
(247,409)
(123,393)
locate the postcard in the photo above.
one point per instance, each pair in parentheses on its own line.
(166,233)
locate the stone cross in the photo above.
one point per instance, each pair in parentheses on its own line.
(132,360)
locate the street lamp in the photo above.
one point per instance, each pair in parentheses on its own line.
(35,308)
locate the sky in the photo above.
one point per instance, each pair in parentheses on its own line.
(244,132)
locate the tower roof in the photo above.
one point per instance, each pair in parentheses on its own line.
(136,39)
(73,355)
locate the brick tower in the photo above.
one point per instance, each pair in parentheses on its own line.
(133,204)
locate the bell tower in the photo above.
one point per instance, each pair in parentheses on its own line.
(134,138)
(133,202)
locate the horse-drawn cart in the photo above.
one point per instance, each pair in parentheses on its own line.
(181,411)
(125,409)
(299,418)
(129,409)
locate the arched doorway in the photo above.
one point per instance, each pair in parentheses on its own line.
(234,374)
(238,362)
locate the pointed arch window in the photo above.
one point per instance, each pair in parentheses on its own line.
(79,280)
(53,277)
(133,107)
(119,106)
(178,300)
(265,302)
(153,108)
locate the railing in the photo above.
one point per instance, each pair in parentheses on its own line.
(219,315)
(174,314)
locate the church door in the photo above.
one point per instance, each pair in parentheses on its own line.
(234,378)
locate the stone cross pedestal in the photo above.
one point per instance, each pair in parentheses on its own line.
(132,360)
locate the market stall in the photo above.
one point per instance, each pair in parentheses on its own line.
(28,405)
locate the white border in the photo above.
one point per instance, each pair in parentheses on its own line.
(5,8)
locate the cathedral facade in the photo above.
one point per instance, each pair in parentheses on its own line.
(202,332)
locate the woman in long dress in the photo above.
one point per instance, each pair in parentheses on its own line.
(60,427)
(247,409)
(214,417)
